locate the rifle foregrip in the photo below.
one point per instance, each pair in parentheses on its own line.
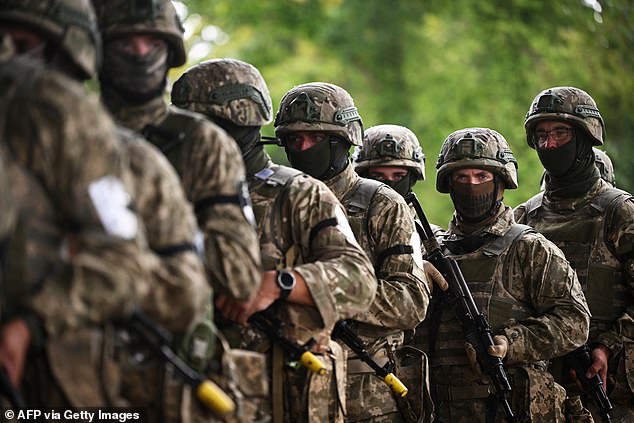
(396,385)
(312,363)
(214,398)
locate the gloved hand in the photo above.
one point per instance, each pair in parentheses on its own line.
(434,277)
(498,350)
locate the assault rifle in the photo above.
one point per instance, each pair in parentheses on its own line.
(209,394)
(580,361)
(347,335)
(266,322)
(474,325)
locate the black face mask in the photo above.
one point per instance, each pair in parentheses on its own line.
(404,186)
(248,139)
(323,161)
(559,161)
(136,78)
(475,202)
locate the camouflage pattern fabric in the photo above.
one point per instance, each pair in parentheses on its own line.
(402,295)
(210,166)
(533,298)
(610,249)
(100,270)
(335,268)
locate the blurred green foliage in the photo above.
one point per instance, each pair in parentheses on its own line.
(437,66)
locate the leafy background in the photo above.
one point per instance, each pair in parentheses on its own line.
(436,66)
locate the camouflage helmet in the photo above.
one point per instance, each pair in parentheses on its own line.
(225,88)
(390,145)
(69,24)
(319,106)
(566,104)
(152,17)
(480,148)
(604,163)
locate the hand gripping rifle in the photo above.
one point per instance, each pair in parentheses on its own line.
(474,325)
(346,334)
(580,361)
(207,392)
(271,326)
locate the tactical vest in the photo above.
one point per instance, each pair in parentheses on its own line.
(277,251)
(582,235)
(485,275)
(358,208)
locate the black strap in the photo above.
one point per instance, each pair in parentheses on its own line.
(393,251)
(492,408)
(205,203)
(172,250)
(318,227)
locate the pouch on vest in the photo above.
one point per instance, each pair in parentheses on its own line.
(536,396)
(412,369)
(621,378)
(82,363)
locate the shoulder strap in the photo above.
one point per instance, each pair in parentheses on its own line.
(500,244)
(605,199)
(534,204)
(362,197)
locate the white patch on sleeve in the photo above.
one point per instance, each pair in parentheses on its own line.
(111,201)
(418,252)
(343,226)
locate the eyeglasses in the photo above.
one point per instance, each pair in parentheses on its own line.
(561,134)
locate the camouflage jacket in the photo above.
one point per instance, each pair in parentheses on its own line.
(609,248)
(302,225)
(402,294)
(179,290)
(535,299)
(98,265)
(212,174)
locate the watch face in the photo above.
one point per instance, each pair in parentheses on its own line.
(286,280)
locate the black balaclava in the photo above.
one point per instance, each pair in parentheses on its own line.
(248,139)
(475,203)
(322,161)
(137,79)
(403,187)
(570,169)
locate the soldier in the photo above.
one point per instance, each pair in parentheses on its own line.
(520,281)
(392,154)
(142,40)
(317,123)
(91,247)
(592,223)
(303,233)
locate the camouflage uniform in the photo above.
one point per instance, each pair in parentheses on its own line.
(180,292)
(595,229)
(87,265)
(392,145)
(208,164)
(606,168)
(519,280)
(382,224)
(301,226)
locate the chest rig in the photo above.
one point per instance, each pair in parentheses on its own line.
(486,272)
(581,235)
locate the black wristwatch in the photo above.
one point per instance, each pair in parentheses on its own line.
(286,281)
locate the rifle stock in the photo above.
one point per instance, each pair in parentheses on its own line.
(474,325)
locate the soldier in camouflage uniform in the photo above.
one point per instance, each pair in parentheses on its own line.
(593,224)
(90,261)
(391,154)
(142,40)
(519,280)
(180,290)
(303,232)
(606,168)
(317,123)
